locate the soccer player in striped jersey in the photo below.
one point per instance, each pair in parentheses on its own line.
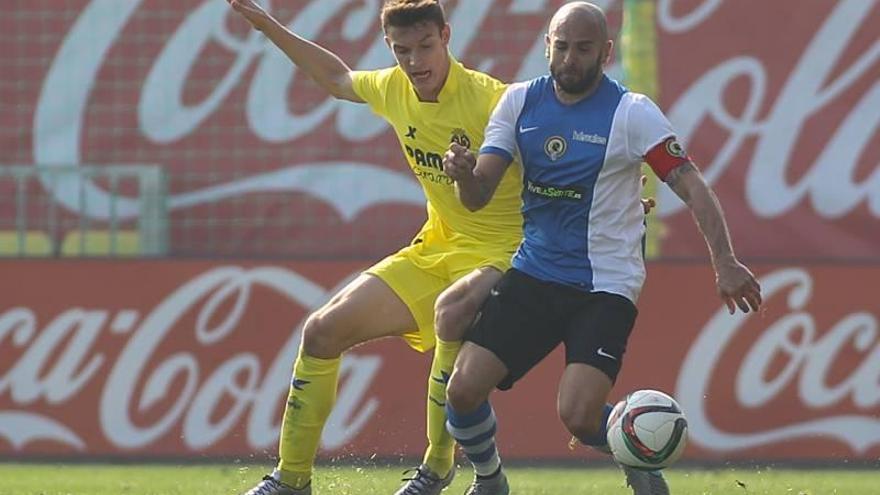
(581,138)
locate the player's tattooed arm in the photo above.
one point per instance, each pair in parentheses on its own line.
(736,284)
(680,184)
(687,182)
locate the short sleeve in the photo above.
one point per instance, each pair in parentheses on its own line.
(500,136)
(650,137)
(371,86)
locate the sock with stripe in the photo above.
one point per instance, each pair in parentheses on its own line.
(475,432)
(311,398)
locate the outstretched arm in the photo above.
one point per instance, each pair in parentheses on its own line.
(328,70)
(475,178)
(736,285)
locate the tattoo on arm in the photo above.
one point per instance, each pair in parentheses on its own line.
(687,182)
(675,182)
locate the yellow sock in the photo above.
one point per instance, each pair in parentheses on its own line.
(441,446)
(311,398)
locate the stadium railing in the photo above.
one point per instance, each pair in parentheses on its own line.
(129,220)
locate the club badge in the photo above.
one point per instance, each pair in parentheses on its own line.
(555,147)
(674,148)
(459,137)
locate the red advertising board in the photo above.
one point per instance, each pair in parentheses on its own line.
(775,100)
(193,359)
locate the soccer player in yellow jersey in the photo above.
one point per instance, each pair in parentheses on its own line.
(429,291)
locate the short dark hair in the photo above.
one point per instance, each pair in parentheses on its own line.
(406,13)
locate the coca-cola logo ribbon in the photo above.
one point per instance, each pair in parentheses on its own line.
(58,361)
(809,354)
(164,118)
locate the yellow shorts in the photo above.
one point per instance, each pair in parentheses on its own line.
(420,272)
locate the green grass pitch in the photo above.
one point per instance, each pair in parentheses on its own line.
(231,479)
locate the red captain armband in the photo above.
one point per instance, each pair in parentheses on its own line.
(666,156)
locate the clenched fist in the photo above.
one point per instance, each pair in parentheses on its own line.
(458,163)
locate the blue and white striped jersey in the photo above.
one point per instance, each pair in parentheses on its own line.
(583,221)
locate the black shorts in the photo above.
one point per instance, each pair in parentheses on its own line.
(524,319)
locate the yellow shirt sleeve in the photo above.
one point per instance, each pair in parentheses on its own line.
(372,87)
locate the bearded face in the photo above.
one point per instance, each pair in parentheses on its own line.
(576,77)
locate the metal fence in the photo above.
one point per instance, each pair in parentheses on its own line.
(111,210)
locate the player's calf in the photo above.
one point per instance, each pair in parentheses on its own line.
(588,426)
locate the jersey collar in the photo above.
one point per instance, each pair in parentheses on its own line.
(456,69)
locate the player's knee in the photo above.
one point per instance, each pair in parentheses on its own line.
(451,317)
(320,337)
(463,394)
(580,421)
(446,321)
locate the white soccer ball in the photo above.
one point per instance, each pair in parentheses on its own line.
(647,430)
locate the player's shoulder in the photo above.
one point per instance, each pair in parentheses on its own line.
(615,85)
(380,78)
(515,93)
(388,75)
(482,82)
(633,98)
(534,85)
(627,96)
(637,103)
(520,92)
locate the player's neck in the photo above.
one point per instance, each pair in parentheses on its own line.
(567,98)
(432,95)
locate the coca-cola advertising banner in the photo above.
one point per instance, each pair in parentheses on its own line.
(776,101)
(189,358)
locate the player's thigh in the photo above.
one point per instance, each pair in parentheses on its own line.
(365,309)
(583,392)
(417,279)
(518,324)
(598,331)
(457,306)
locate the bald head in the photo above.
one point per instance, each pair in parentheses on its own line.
(584,17)
(578,48)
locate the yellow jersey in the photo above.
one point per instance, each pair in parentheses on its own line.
(425,130)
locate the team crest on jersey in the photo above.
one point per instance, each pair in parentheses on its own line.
(555,147)
(460,138)
(674,148)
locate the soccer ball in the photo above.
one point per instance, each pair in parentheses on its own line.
(647,430)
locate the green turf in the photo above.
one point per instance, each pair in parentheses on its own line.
(95,479)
